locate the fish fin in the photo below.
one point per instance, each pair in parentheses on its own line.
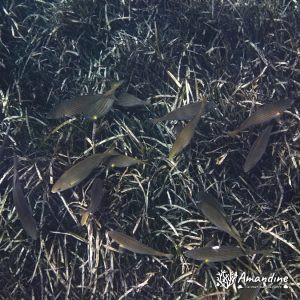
(99,108)
(114,86)
(111,151)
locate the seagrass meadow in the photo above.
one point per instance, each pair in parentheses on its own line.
(238,55)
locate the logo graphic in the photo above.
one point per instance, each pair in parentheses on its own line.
(225,279)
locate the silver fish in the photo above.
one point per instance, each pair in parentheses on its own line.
(22,207)
(97,193)
(185,113)
(3,145)
(184,137)
(80,171)
(73,107)
(213,211)
(258,149)
(91,106)
(221,253)
(133,245)
(121,161)
(264,114)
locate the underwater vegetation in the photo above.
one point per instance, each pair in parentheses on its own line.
(146,147)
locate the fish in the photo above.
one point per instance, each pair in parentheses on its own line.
(3,145)
(91,106)
(121,161)
(131,244)
(129,100)
(72,107)
(97,193)
(221,253)
(257,149)
(213,211)
(186,134)
(103,105)
(184,113)
(22,207)
(80,171)
(250,291)
(264,114)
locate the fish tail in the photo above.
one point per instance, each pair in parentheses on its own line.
(169,255)
(111,151)
(235,234)
(145,162)
(154,121)
(233,133)
(240,243)
(84,218)
(49,115)
(115,85)
(171,155)
(264,252)
(54,189)
(246,168)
